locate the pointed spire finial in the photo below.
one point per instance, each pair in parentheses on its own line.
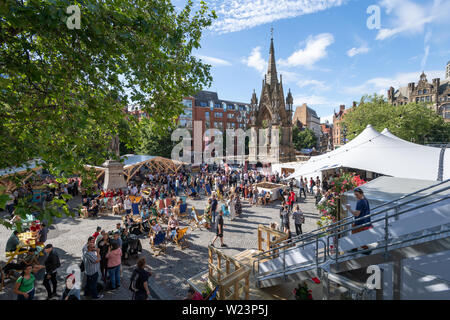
(271,32)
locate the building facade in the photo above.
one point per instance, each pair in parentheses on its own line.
(273,113)
(339,130)
(435,94)
(326,137)
(304,116)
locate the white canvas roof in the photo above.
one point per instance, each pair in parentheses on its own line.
(381,153)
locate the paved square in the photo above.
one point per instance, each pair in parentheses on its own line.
(170,270)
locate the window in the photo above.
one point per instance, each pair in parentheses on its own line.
(230,107)
(420,91)
(422,99)
(218,125)
(217,106)
(424,91)
(187,103)
(203,104)
(206,115)
(428,98)
(207,124)
(230,116)
(218,114)
(187,113)
(417,99)
(231,125)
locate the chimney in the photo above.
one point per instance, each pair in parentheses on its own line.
(342,107)
(354,104)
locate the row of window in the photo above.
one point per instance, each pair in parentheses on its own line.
(425,91)
(219,125)
(219,115)
(224,106)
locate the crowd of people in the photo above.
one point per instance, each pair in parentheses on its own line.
(151,205)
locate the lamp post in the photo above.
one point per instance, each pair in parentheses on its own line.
(344,134)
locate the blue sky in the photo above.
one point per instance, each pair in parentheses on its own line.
(324,49)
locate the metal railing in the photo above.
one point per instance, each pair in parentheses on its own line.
(335,230)
(323,230)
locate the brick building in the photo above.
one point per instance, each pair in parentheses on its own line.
(304,116)
(339,131)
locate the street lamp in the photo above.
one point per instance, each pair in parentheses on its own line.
(344,133)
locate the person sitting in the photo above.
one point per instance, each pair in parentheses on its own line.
(31,258)
(13,242)
(93,210)
(193,295)
(172,227)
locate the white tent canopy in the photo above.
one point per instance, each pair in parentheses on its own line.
(382,153)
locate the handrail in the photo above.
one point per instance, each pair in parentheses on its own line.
(330,234)
(343,221)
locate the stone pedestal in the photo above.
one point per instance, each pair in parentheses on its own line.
(114,178)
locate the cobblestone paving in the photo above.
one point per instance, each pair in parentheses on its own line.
(170,270)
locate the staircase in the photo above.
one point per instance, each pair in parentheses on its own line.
(413,225)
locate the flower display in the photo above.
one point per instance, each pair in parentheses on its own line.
(302,292)
(328,209)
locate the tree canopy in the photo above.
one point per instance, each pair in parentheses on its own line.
(412,122)
(63,91)
(303,139)
(154,143)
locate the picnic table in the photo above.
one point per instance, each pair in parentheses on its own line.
(27,241)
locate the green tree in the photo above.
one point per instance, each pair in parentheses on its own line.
(303,139)
(412,122)
(153,142)
(63,92)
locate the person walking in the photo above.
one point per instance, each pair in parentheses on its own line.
(219,230)
(91,260)
(302,188)
(139,281)
(285,219)
(114,257)
(52,263)
(299,219)
(213,208)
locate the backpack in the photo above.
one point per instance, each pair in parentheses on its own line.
(58,262)
(133,281)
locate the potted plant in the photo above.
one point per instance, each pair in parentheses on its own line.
(302,292)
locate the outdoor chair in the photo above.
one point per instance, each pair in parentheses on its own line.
(158,243)
(196,221)
(180,239)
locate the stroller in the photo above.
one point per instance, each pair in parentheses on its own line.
(134,246)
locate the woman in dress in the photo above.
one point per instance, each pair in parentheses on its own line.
(238,206)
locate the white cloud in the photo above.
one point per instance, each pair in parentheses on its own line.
(328,118)
(315,50)
(380,85)
(411,18)
(236,15)
(256,61)
(354,51)
(214,61)
(313,83)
